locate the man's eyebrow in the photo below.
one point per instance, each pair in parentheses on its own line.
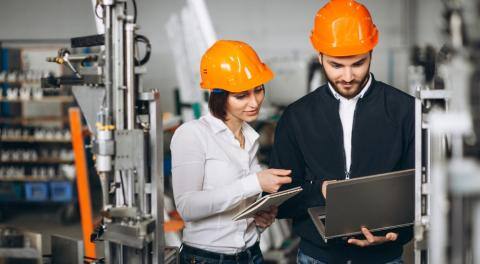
(360,61)
(334,63)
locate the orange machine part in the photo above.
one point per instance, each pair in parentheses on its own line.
(83,187)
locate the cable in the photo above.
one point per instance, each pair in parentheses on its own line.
(134,2)
(148,49)
(96,9)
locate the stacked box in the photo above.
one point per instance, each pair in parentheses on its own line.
(61,191)
(11,191)
(36,191)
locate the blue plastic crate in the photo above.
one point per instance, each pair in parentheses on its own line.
(11,191)
(61,191)
(36,191)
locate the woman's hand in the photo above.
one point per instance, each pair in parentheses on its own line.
(264,219)
(272,179)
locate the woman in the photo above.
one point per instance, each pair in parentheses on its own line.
(214,166)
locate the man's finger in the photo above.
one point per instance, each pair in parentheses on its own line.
(358,242)
(368,235)
(391,236)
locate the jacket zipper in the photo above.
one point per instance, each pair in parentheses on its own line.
(347,173)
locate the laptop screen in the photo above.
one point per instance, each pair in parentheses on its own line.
(377,202)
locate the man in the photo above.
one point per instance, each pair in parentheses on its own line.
(353,126)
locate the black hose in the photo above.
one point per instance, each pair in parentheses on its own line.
(148,50)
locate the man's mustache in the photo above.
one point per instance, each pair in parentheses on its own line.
(348,83)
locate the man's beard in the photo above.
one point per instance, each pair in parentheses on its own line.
(361,83)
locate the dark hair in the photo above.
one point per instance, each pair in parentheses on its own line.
(217,103)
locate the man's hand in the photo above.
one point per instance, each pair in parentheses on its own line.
(372,240)
(264,219)
(324,187)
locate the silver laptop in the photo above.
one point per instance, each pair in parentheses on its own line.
(377,202)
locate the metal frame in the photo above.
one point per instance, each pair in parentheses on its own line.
(447,185)
(126,119)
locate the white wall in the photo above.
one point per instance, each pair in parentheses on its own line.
(273,27)
(429,27)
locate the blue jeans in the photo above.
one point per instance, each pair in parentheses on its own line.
(189,255)
(305,259)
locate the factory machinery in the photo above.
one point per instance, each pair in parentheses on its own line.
(126,125)
(121,114)
(447,87)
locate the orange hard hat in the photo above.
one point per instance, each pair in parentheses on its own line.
(233,66)
(343,28)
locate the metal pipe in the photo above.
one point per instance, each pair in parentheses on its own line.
(130,73)
(104,185)
(156,173)
(130,99)
(108,62)
(458,236)
(118,70)
(438,234)
(108,106)
(419,228)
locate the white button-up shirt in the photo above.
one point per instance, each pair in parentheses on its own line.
(213,179)
(347,111)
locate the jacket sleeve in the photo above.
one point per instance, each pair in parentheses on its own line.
(286,154)
(408,156)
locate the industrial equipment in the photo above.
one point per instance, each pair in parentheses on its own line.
(447,218)
(126,124)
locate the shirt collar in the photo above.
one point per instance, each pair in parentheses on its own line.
(218,126)
(360,95)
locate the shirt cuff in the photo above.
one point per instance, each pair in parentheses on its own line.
(250,185)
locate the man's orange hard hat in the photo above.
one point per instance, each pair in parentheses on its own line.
(343,28)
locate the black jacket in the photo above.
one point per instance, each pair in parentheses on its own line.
(309,141)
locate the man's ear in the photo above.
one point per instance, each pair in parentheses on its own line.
(320,58)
